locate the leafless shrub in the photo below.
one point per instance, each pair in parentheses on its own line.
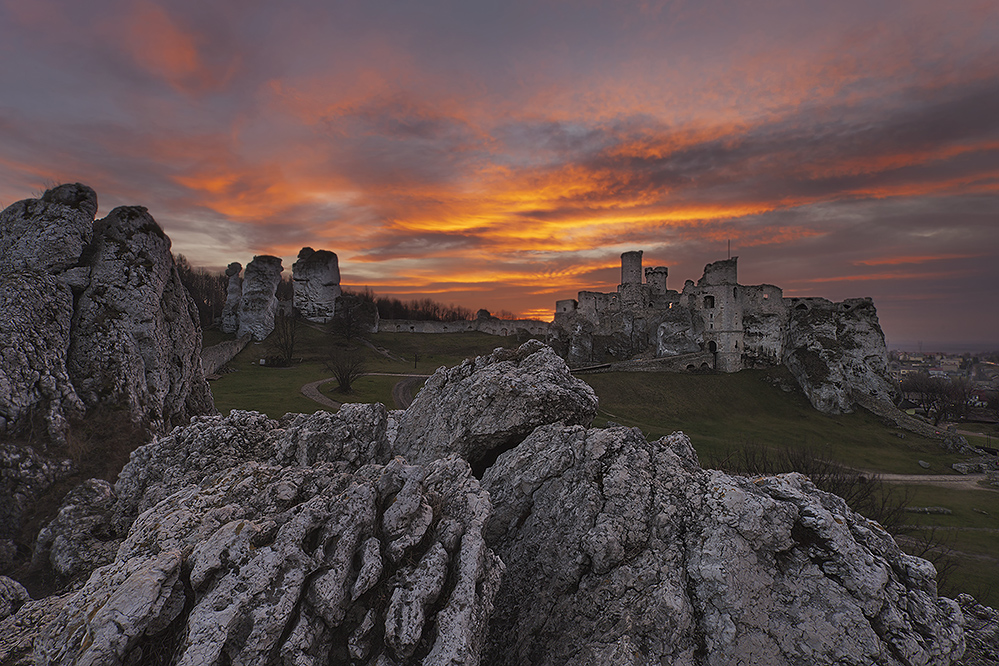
(347,365)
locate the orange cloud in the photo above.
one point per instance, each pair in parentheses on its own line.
(896,261)
(165,49)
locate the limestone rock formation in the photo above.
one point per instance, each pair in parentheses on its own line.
(623,551)
(138,345)
(258,304)
(486,405)
(96,315)
(19,631)
(37,396)
(303,541)
(12,597)
(233,296)
(93,317)
(24,475)
(300,564)
(352,437)
(42,259)
(317,284)
(981,633)
(837,352)
(81,537)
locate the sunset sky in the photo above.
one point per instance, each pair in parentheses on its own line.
(503,154)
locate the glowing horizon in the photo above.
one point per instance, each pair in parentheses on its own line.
(503,156)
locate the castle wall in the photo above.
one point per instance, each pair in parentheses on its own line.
(720,272)
(764,324)
(500,327)
(655,278)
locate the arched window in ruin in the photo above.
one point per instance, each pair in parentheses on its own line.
(801,306)
(712,347)
(735,292)
(709,301)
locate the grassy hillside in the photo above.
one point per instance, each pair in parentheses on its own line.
(722,412)
(275,391)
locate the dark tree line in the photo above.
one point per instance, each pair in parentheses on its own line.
(424,309)
(939,398)
(208,290)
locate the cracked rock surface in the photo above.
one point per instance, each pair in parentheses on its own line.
(491,403)
(624,551)
(294,565)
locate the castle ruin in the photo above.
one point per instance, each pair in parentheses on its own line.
(835,350)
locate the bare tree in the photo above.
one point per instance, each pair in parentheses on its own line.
(347,365)
(282,339)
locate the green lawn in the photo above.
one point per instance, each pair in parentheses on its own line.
(970,534)
(723,412)
(365,389)
(276,391)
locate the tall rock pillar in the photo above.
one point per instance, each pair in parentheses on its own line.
(234,294)
(317,284)
(258,304)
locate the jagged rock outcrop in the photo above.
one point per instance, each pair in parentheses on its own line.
(97,316)
(622,551)
(300,564)
(94,319)
(836,351)
(350,438)
(302,541)
(486,405)
(24,476)
(12,597)
(43,244)
(981,632)
(233,296)
(258,304)
(81,537)
(317,284)
(19,631)
(138,345)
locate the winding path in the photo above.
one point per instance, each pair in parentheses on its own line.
(962,481)
(402,392)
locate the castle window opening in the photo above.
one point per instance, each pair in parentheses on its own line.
(712,347)
(766,297)
(709,301)
(801,306)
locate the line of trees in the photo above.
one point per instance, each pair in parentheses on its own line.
(939,398)
(208,290)
(424,309)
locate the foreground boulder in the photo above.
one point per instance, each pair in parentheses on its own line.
(299,565)
(490,404)
(623,551)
